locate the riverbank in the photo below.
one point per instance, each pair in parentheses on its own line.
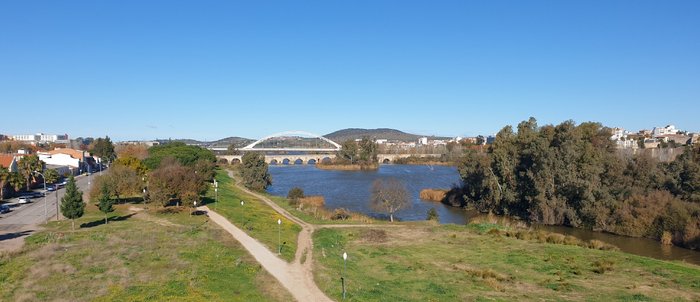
(353,167)
(464,263)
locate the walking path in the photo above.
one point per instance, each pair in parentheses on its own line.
(297,277)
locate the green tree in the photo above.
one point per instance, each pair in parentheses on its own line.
(295,193)
(368,151)
(254,171)
(104,202)
(27,165)
(51,176)
(132,163)
(232,150)
(72,205)
(349,152)
(103,148)
(16,181)
(186,155)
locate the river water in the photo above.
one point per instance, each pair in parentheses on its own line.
(351,190)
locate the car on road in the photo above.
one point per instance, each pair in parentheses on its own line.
(23,200)
(51,188)
(4,209)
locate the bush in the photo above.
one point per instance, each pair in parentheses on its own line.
(667,238)
(340,214)
(602,266)
(433,195)
(433,215)
(311,202)
(295,193)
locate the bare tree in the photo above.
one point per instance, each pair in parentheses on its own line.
(389,196)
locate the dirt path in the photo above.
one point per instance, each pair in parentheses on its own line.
(297,277)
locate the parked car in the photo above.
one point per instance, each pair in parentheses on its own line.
(4,209)
(51,188)
(23,200)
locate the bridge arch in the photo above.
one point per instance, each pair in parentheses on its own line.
(250,147)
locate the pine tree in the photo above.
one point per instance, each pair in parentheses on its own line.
(104,202)
(72,205)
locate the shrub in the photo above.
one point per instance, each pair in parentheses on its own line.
(295,193)
(433,194)
(312,202)
(602,266)
(666,238)
(555,238)
(433,215)
(340,214)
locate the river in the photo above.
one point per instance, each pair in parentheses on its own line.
(351,190)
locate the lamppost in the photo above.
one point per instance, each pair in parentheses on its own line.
(279,236)
(45,208)
(216,193)
(345,270)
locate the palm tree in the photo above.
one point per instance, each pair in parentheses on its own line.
(16,181)
(4,176)
(27,166)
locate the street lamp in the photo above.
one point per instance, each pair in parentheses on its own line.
(345,270)
(216,201)
(279,236)
(45,208)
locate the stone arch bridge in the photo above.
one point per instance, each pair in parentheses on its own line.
(312,159)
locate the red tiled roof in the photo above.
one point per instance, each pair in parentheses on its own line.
(6,160)
(72,152)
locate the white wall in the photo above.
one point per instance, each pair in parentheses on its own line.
(59,160)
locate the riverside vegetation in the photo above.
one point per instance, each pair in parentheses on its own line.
(572,175)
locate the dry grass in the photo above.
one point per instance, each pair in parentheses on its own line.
(163,258)
(433,194)
(312,202)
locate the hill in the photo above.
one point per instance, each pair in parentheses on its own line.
(235,140)
(380,133)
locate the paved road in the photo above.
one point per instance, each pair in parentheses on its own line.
(32,214)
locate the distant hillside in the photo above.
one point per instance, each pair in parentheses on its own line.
(237,141)
(381,133)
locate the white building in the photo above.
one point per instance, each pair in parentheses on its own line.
(42,138)
(75,159)
(423,141)
(669,129)
(381,141)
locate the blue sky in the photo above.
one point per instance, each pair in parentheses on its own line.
(210,69)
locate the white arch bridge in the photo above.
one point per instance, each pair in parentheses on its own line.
(252,147)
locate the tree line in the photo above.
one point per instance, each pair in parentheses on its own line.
(171,173)
(571,175)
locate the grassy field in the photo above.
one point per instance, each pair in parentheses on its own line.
(254,217)
(466,263)
(142,257)
(308,216)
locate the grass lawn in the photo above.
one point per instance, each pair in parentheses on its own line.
(144,257)
(254,217)
(464,263)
